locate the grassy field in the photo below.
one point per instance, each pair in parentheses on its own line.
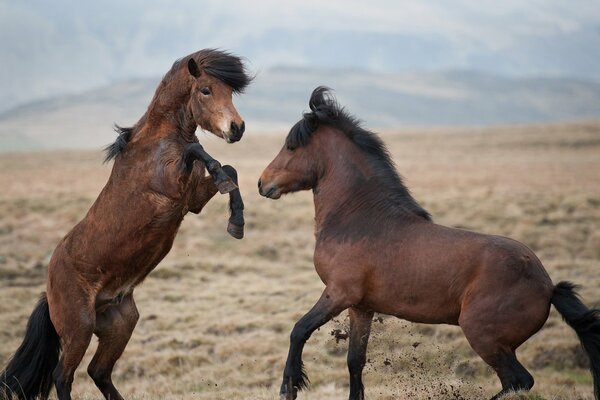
(216,314)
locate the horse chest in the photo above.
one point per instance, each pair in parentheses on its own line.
(332,259)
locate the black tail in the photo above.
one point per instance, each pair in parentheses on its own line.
(29,372)
(586,323)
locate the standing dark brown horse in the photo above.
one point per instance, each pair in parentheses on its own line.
(378,251)
(130,228)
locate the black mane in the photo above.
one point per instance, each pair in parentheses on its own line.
(224,66)
(326,111)
(123,137)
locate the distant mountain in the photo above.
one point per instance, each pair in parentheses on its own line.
(50,48)
(278,96)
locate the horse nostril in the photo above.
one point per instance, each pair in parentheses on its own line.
(238,129)
(259,184)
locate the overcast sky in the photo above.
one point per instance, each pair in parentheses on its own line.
(51,47)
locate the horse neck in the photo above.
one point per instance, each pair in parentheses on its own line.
(167,114)
(343,187)
(349,193)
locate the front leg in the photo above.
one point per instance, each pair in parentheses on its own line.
(206,189)
(360,328)
(195,151)
(236,206)
(331,303)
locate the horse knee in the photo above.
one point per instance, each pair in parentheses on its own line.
(231,172)
(299,334)
(213,165)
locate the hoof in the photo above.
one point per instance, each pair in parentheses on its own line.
(288,394)
(235,231)
(225,186)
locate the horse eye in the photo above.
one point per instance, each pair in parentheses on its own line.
(291,148)
(205,91)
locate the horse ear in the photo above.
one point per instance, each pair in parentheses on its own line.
(193,68)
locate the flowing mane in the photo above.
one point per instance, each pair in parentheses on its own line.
(326,111)
(225,66)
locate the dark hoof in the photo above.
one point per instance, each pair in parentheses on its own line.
(226,185)
(287,396)
(288,392)
(235,231)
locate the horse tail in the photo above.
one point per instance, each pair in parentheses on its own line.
(585,321)
(28,374)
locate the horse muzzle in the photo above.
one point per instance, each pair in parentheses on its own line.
(270,191)
(235,132)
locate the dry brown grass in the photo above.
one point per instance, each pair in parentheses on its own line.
(216,314)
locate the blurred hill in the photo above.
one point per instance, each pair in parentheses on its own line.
(278,96)
(50,48)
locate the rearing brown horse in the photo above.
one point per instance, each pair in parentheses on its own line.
(378,251)
(130,228)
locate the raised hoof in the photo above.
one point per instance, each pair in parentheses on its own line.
(226,185)
(235,231)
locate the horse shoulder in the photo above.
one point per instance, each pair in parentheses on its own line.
(342,263)
(168,179)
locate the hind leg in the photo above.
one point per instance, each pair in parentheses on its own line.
(512,374)
(113,328)
(74,317)
(492,343)
(505,305)
(360,328)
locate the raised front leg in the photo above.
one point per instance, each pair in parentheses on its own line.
(206,189)
(360,328)
(195,151)
(236,206)
(331,303)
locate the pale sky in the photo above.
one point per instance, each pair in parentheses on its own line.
(50,47)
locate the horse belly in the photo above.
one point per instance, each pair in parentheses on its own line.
(425,307)
(429,313)
(150,253)
(395,280)
(136,259)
